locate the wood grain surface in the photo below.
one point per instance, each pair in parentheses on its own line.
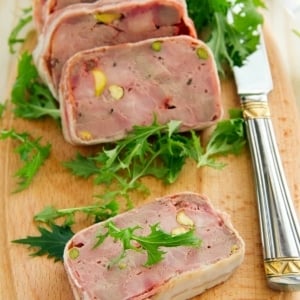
(231,189)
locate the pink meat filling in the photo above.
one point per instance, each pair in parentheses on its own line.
(173,83)
(89,271)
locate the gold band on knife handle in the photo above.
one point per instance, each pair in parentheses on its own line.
(282,267)
(255,109)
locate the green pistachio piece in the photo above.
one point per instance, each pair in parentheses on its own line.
(107,18)
(74,253)
(202,53)
(156,46)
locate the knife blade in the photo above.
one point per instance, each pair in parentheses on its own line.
(280,233)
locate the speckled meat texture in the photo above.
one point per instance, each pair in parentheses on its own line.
(185,271)
(85,26)
(173,78)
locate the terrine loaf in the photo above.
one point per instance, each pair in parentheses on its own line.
(85,26)
(105,91)
(184,272)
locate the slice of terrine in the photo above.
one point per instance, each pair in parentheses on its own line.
(184,272)
(105,91)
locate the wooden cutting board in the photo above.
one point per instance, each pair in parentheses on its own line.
(231,189)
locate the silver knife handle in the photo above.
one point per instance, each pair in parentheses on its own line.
(279,225)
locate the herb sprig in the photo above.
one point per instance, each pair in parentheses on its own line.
(31,152)
(151,243)
(14,38)
(228,27)
(31,98)
(54,235)
(51,241)
(159,151)
(99,211)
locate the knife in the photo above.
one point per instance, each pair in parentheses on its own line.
(280,233)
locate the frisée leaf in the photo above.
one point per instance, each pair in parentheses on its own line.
(14,37)
(31,152)
(151,243)
(159,151)
(229,27)
(32,98)
(50,242)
